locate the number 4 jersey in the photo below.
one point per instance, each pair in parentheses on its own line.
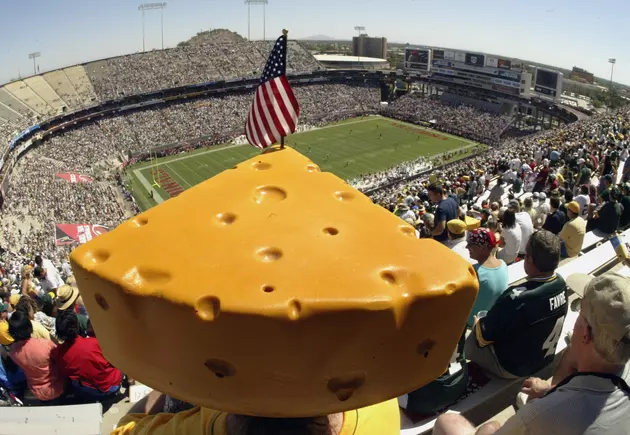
(525,324)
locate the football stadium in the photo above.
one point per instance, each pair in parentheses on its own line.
(274,235)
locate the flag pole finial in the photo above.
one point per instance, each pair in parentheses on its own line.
(285,32)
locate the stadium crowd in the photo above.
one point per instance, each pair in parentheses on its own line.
(218,55)
(449,117)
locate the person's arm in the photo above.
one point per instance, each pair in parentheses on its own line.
(439,228)
(500,321)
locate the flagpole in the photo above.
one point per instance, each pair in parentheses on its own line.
(285,32)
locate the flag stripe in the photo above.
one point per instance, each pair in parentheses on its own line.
(291,109)
(267,110)
(261,119)
(270,109)
(281,112)
(275,110)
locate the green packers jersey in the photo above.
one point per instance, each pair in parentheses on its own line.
(525,324)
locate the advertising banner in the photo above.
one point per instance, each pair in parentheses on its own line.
(67,234)
(73,177)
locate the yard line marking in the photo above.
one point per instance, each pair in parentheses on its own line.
(177,173)
(156,196)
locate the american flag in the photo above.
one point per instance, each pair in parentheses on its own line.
(275,110)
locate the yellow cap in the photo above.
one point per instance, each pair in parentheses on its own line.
(574,207)
(279,290)
(456,226)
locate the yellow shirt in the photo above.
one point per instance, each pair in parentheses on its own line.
(572,235)
(379,419)
(39,331)
(5,337)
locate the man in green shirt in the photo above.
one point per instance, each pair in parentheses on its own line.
(518,336)
(607,218)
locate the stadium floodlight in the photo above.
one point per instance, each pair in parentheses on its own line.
(249,4)
(148,6)
(34,56)
(612,61)
(359,29)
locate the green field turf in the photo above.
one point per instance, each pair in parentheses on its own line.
(348,149)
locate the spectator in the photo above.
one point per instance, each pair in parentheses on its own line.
(606,219)
(589,391)
(519,334)
(497,191)
(492,273)
(49,281)
(524,222)
(511,238)
(446,210)
(27,284)
(556,220)
(457,239)
(572,234)
(81,360)
(67,299)
(33,355)
(542,210)
(27,306)
(5,337)
(584,201)
(51,271)
(528,203)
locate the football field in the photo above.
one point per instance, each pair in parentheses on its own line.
(348,149)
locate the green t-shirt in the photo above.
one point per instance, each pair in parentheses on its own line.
(585,176)
(525,324)
(609,216)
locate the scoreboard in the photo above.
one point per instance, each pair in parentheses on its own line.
(548,83)
(467,68)
(418,59)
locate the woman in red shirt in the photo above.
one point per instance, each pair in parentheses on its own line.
(81,360)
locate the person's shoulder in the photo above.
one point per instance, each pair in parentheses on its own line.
(382,418)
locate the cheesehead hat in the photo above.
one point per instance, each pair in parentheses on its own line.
(312,300)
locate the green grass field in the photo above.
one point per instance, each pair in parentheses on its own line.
(348,149)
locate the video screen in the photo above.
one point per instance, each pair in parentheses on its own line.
(417,59)
(438,54)
(548,79)
(504,64)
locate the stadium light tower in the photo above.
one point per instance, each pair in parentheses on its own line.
(148,6)
(612,61)
(249,4)
(34,56)
(359,29)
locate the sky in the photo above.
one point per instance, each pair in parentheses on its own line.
(563,33)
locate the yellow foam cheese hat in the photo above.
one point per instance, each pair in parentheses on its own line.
(275,290)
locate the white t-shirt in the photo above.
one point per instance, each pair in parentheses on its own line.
(53,279)
(515,164)
(459,246)
(512,238)
(524,222)
(584,202)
